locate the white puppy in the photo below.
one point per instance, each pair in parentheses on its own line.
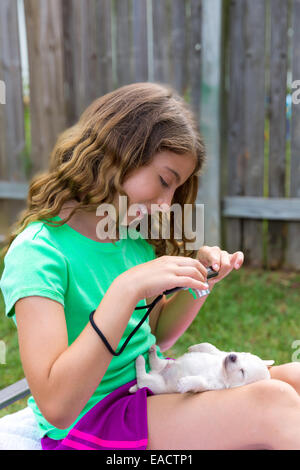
(203,368)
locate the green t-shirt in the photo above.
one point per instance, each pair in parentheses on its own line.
(61,264)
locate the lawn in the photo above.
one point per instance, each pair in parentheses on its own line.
(250,310)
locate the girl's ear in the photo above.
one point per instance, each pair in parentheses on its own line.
(269,363)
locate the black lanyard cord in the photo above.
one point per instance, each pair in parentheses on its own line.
(150,308)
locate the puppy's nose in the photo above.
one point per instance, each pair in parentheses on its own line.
(232,357)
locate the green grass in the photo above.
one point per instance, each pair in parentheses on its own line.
(250,310)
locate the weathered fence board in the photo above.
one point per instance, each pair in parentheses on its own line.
(12,126)
(161,49)
(195,66)
(13,190)
(47,105)
(140,40)
(277,209)
(254,123)
(79,55)
(248,95)
(236,115)
(12,135)
(105,80)
(277,109)
(178,77)
(81,50)
(87,54)
(70,94)
(209,190)
(124,49)
(293,236)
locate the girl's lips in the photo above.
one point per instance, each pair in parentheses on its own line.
(140,212)
(143,210)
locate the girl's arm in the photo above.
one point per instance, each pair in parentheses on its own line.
(176,316)
(62,378)
(180,310)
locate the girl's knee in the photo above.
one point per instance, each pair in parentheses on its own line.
(274,393)
(279,405)
(289,373)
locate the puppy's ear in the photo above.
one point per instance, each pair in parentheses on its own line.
(205,348)
(269,363)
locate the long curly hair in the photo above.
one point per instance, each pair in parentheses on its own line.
(118,132)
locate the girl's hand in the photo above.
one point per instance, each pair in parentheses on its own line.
(220,260)
(166,272)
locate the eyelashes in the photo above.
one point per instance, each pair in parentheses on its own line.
(163,182)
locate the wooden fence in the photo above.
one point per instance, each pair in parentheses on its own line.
(230,60)
(261,199)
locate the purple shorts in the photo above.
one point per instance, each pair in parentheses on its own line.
(117,422)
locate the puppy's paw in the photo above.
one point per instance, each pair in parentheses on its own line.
(183,385)
(133,389)
(140,361)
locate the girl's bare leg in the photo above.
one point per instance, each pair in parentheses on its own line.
(262,415)
(289,373)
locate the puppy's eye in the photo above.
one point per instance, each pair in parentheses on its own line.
(243,372)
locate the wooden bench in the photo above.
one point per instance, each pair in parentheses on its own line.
(13,393)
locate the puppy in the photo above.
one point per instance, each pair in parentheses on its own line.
(203,368)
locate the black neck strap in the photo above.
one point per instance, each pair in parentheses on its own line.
(150,308)
(210,274)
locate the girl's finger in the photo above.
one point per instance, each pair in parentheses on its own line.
(237,259)
(211,256)
(187,261)
(226,266)
(193,273)
(187,281)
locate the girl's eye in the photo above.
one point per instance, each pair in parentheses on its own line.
(163,182)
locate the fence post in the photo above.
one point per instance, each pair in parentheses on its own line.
(45,51)
(12,134)
(161,28)
(195,55)
(277,162)
(209,188)
(140,40)
(293,238)
(254,123)
(236,127)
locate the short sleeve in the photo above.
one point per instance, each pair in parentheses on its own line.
(33,267)
(150,251)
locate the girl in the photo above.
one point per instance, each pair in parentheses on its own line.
(139,141)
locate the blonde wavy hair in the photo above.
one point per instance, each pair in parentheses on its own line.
(118,132)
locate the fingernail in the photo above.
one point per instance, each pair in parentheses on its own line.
(216,267)
(237,266)
(206,285)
